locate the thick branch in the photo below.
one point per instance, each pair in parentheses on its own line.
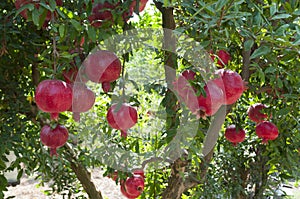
(83,175)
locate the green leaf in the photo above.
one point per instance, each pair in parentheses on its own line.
(262,50)
(270,69)
(30,7)
(248,44)
(273,9)
(62,30)
(281,16)
(76,25)
(35,17)
(91,33)
(52,4)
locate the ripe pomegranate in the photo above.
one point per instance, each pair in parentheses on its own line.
(214,99)
(267,131)
(101,12)
(71,75)
(142,5)
(21,3)
(106,87)
(234,135)
(83,100)
(54,138)
(139,172)
(133,186)
(53,96)
(224,58)
(185,90)
(255,114)
(232,85)
(122,119)
(102,67)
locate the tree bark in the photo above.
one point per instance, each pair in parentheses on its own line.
(83,175)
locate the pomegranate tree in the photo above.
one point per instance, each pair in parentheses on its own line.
(53,96)
(102,67)
(83,100)
(234,135)
(232,85)
(267,131)
(133,186)
(255,114)
(122,118)
(54,138)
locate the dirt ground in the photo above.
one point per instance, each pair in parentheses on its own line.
(28,188)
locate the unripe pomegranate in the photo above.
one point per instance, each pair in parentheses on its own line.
(214,99)
(83,100)
(133,186)
(267,131)
(232,85)
(224,58)
(53,96)
(54,138)
(255,114)
(102,66)
(234,135)
(122,119)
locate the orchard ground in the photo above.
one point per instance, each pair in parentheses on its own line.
(29,188)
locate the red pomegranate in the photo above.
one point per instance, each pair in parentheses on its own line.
(224,58)
(214,99)
(234,135)
(102,66)
(122,119)
(83,100)
(255,114)
(124,192)
(72,75)
(21,3)
(267,131)
(133,186)
(139,172)
(54,138)
(101,12)
(185,90)
(232,85)
(53,96)
(142,5)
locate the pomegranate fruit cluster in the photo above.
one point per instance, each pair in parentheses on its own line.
(226,89)
(265,130)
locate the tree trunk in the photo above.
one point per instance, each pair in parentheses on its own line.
(83,175)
